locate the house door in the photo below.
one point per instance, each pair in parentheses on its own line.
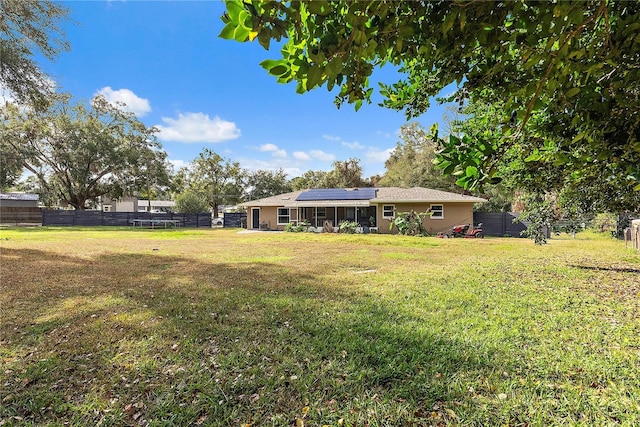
(255,218)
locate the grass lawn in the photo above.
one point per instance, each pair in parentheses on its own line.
(113,327)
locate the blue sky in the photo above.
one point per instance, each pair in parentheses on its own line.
(165,60)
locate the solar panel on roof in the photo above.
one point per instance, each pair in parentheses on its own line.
(337,194)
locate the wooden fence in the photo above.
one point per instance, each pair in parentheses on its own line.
(235,219)
(20,215)
(100,218)
(500,224)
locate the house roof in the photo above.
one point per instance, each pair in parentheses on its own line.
(19,196)
(337,197)
(279,200)
(415,194)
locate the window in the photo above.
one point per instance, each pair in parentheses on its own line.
(322,212)
(437,212)
(284,216)
(106,208)
(388,211)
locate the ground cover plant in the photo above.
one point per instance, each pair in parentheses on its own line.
(111,327)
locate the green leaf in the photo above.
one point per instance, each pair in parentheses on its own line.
(228,31)
(535,157)
(448,22)
(279,70)
(573,92)
(314,76)
(234,8)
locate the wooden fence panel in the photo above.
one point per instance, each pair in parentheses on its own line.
(18,215)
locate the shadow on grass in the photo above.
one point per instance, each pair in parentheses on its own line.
(148,338)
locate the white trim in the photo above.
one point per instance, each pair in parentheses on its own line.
(250,220)
(441,210)
(278,216)
(393,211)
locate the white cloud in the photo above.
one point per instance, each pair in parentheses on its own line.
(274,150)
(352,145)
(301,155)
(135,104)
(268,147)
(178,164)
(197,127)
(280,154)
(377,155)
(331,138)
(321,155)
(271,165)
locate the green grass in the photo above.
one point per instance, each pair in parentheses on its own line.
(210,327)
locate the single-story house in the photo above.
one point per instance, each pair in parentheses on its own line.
(132,204)
(373,208)
(18,200)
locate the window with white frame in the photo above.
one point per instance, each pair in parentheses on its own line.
(106,208)
(437,211)
(284,216)
(388,211)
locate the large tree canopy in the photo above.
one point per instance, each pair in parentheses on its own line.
(411,163)
(265,183)
(29,28)
(79,153)
(578,62)
(219,180)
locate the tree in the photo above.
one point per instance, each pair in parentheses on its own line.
(411,163)
(151,174)
(29,28)
(538,214)
(575,61)
(264,183)
(79,153)
(191,202)
(219,180)
(345,174)
(309,179)
(10,166)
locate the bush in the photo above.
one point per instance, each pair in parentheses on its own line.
(410,223)
(191,202)
(299,227)
(348,227)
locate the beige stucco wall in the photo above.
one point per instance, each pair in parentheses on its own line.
(268,215)
(454,214)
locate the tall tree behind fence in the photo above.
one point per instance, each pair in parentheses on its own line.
(99,218)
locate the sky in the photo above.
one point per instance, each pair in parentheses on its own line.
(164,59)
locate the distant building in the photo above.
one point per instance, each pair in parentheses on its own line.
(18,200)
(132,204)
